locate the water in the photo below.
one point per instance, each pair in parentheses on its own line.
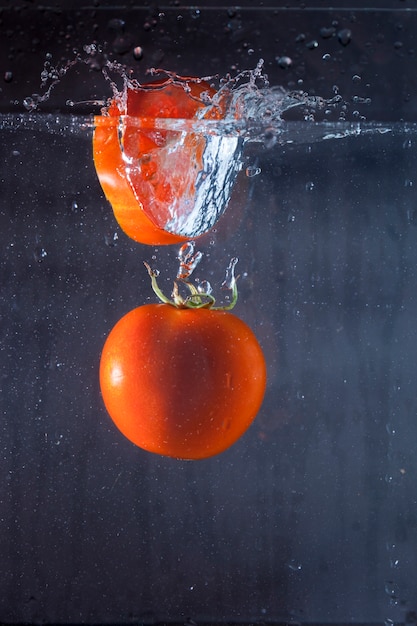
(311,516)
(325,236)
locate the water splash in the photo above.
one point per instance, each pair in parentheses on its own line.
(188,260)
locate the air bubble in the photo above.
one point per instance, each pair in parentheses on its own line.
(392,589)
(111,240)
(252,171)
(39,254)
(204,287)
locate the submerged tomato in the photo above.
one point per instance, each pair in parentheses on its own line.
(163,183)
(181,382)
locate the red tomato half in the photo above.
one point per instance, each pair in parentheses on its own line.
(181,382)
(149,174)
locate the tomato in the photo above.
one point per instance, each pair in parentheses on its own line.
(149,174)
(185,383)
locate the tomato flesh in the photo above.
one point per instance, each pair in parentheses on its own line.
(180,382)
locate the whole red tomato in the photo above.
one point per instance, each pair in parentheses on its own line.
(185,383)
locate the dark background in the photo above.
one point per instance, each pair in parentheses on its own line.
(312,516)
(360,53)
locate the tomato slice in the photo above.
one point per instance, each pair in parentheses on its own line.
(165,184)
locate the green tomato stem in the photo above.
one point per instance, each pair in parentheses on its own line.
(196,299)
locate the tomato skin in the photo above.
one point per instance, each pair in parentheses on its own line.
(143,194)
(182,383)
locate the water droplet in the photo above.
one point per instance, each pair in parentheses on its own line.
(284,62)
(326,57)
(408,183)
(356,78)
(327,32)
(29,103)
(344,36)
(311,45)
(138,53)
(294,565)
(389,622)
(116,24)
(122,44)
(408,143)
(8,77)
(195,14)
(252,171)
(309,186)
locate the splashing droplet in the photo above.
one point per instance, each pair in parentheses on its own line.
(230,279)
(188,260)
